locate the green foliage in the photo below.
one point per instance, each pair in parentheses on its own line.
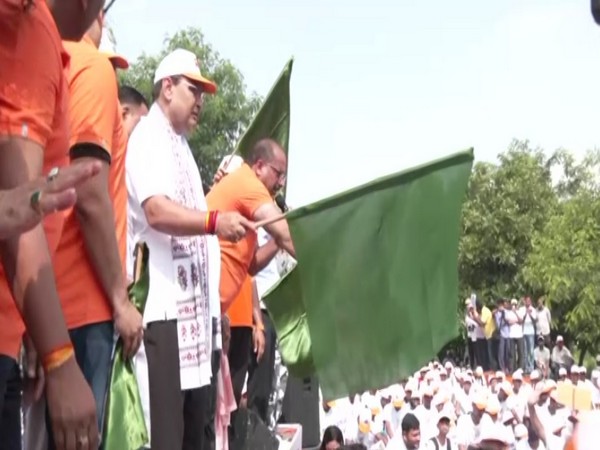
(530,227)
(565,263)
(224,115)
(506,204)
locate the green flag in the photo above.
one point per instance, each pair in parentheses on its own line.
(373,296)
(125,427)
(273,118)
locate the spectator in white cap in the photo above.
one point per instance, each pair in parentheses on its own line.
(541,356)
(574,374)
(562,374)
(561,355)
(168,211)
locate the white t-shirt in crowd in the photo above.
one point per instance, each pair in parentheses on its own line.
(543,321)
(471,326)
(529,318)
(516,329)
(394,416)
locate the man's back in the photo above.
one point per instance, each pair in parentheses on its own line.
(243,192)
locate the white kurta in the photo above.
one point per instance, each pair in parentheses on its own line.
(184,272)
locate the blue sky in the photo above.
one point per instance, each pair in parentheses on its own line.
(380,86)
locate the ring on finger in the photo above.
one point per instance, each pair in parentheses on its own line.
(52,174)
(34,201)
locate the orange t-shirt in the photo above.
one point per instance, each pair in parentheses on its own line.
(94,118)
(33,104)
(243,192)
(240,311)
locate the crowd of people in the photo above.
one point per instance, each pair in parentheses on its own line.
(514,335)
(120,175)
(447,407)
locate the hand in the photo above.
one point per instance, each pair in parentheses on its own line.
(34,375)
(219,176)
(225,333)
(72,408)
(19,209)
(232,226)
(129,325)
(534,397)
(258,339)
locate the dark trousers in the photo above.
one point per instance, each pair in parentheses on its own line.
(178,419)
(471,352)
(493,345)
(239,358)
(240,347)
(504,355)
(518,354)
(93,346)
(10,404)
(261,373)
(481,354)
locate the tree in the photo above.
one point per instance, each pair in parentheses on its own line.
(565,259)
(224,115)
(506,205)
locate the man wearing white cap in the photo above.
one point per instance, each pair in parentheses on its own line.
(561,355)
(168,211)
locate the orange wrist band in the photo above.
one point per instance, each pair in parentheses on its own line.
(57,357)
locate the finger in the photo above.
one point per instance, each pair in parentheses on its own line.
(138,343)
(71,176)
(247,224)
(52,202)
(93,435)
(128,345)
(70,439)
(59,437)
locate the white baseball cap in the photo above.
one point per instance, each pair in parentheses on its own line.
(183,62)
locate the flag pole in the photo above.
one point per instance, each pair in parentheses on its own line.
(270,220)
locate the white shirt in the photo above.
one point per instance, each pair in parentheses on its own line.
(529,319)
(429,445)
(266,278)
(516,329)
(467,432)
(394,416)
(543,321)
(472,329)
(150,172)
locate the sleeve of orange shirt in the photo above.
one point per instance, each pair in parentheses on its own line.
(252,195)
(92,111)
(27,94)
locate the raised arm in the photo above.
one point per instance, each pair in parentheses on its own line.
(279,229)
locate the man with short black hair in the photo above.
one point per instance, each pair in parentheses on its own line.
(410,438)
(133,107)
